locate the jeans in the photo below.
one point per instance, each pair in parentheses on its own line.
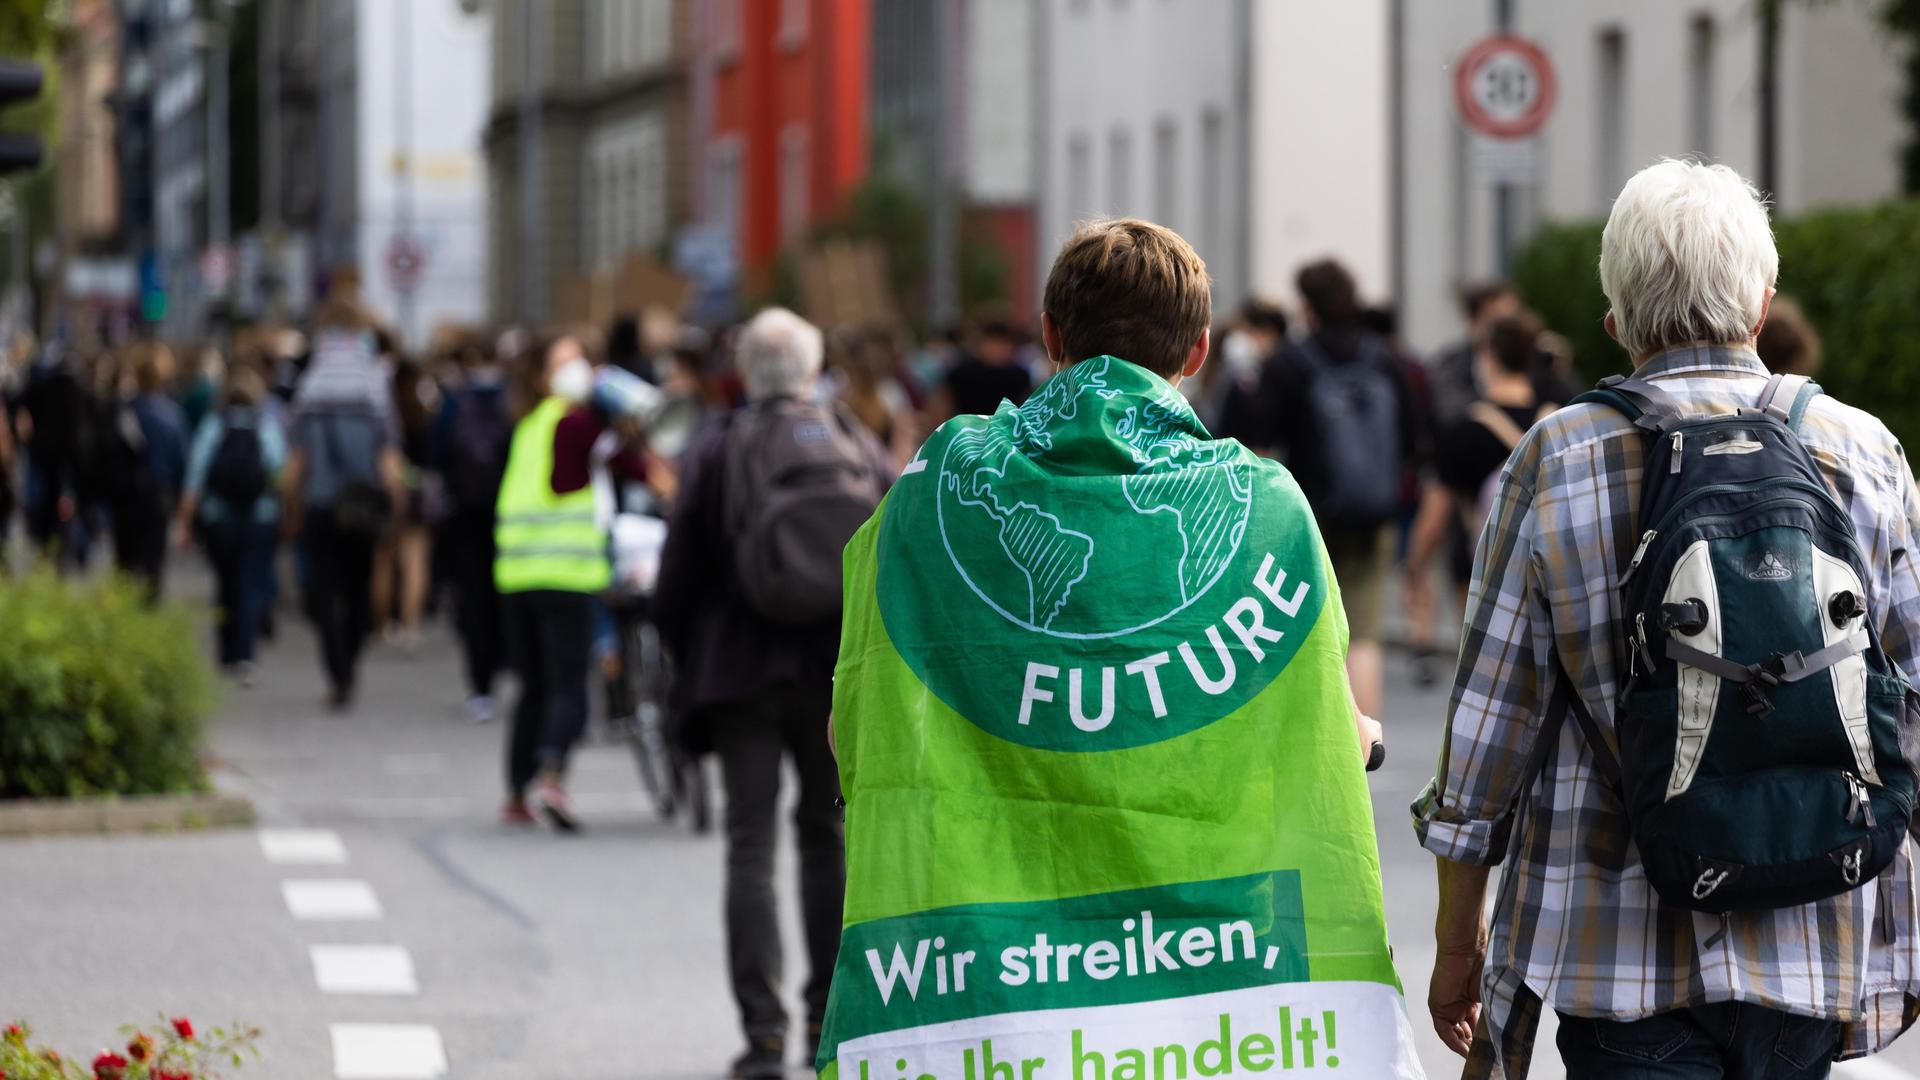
(1707,1042)
(241,553)
(752,737)
(467,544)
(552,636)
(338,592)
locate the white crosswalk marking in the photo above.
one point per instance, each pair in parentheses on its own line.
(316,900)
(317,847)
(364,969)
(387,1052)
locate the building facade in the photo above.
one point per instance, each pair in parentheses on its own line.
(781,125)
(1637,82)
(605,85)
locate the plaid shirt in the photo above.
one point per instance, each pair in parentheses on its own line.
(1576,925)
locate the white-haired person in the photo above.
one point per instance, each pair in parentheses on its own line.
(551,565)
(785,480)
(1644,987)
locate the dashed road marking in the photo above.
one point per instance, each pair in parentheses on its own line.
(318,847)
(316,900)
(364,969)
(387,1052)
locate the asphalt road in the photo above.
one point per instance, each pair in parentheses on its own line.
(509,953)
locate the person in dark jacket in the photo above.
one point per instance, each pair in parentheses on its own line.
(758,692)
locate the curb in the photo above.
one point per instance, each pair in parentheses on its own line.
(123,814)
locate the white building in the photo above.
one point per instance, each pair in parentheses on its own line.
(1639,80)
(1258,129)
(421,101)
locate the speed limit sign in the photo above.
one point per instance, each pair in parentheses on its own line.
(1504,87)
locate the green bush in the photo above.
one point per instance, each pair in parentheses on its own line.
(99,693)
(1851,270)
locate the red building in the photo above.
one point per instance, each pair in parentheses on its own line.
(780,118)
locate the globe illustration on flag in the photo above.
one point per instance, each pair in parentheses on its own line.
(1092,567)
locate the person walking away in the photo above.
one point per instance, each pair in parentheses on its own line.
(340,486)
(145,443)
(1469,452)
(1345,424)
(233,471)
(1788,343)
(749,605)
(1090,703)
(474,459)
(551,564)
(991,372)
(1681,696)
(403,562)
(52,412)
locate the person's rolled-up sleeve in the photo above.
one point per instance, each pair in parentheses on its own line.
(1465,812)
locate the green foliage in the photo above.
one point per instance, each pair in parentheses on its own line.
(99,693)
(1851,270)
(1902,18)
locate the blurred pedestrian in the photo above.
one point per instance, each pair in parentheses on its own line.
(341,485)
(755,658)
(145,447)
(1344,420)
(551,565)
(1788,343)
(473,460)
(233,471)
(989,373)
(53,415)
(1230,407)
(403,561)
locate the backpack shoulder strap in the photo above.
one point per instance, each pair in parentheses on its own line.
(1562,702)
(1651,409)
(1495,419)
(1797,391)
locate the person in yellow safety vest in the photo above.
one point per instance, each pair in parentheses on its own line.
(551,565)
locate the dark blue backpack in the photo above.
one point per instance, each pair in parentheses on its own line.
(1758,727)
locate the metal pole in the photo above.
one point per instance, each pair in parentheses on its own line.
(270,151)
(1503,191)
(328,145)
(528,147)
(1770,99)
(1397,148)
(403,134)
(219,203)
(942,301)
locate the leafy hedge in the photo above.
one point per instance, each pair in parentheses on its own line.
(1853,271)
(99,693)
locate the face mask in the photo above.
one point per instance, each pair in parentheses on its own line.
(573,382)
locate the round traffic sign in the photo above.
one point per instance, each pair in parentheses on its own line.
(406,262)
(1504,86)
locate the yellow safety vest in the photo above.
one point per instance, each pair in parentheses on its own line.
(544,540)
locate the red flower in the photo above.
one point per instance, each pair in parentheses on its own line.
(16,1033)
(141,1047)
(183,1027)
(109,1066)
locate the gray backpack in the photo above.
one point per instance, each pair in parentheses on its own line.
(799,483)
(1356,411)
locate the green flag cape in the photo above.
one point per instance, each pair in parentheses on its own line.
(1106,818)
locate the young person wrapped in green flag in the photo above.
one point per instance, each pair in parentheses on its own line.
(1106,819)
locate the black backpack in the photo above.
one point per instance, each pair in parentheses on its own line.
(1356,413)
(477,448)
(799,483)
(237,472)
(1759,763)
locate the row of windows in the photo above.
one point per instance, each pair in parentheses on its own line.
(1163,201)
(626,191)
(1612,80)
(790,32)
(721,198)
(628,35)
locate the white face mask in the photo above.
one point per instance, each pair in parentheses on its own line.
(1241,353)
(573,382)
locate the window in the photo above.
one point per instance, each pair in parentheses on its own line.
(1120,171)
(1166,164)
(793,24)
(1079,177)
(1213,242)
(723,184)
(726,29)
(626,190)
(652,32)
(793,182)
(1610,126)
(1700,86)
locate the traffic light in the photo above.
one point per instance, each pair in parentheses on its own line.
(19,81)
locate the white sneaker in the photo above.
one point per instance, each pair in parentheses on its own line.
(479,709)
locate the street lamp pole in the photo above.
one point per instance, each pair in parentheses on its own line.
(529,151)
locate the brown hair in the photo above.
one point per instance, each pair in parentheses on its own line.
(1329,292)
(1131,289)
(1514,341)
(151,365)
(1788,344)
